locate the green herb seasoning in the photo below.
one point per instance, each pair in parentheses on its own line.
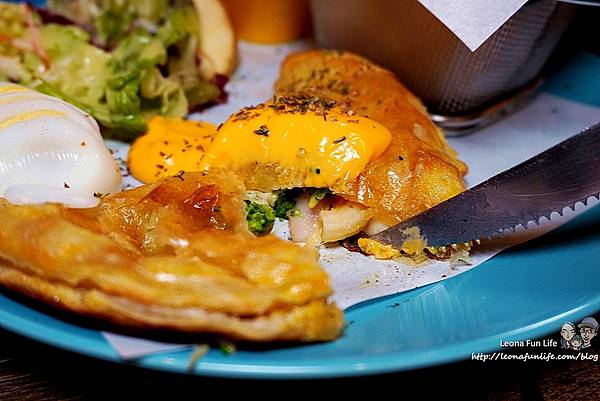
(262,130)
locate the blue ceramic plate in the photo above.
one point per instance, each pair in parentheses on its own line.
(524,293)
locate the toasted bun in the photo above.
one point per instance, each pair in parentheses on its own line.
(218,46)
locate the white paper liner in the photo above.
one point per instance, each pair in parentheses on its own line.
(473,21)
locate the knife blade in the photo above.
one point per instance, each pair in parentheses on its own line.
(559,177)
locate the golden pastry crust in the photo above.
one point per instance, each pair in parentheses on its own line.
(171,255)
(418,170)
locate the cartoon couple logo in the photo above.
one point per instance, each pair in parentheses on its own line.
(588,328)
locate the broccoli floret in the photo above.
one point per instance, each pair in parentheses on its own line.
(260,218)
(286,200)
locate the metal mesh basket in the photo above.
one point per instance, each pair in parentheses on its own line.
(452,81)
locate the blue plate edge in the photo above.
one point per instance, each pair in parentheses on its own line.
(371,365)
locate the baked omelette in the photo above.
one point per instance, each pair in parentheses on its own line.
(358,149)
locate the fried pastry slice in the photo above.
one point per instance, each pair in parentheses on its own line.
(417,170)
(172,255)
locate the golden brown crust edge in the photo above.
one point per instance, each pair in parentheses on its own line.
(419,169)
(315,321)
(154,258)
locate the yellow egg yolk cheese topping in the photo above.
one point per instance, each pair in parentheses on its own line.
(325,143)
(170,146)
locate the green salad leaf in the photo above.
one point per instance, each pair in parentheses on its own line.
(112,25)
(13,28)
(139,60)
(172,101)
(78,70)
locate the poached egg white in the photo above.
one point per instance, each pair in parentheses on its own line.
(51,151)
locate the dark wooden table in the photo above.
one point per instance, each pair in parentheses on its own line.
(32,371)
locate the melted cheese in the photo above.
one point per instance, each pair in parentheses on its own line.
(169,147)
(377,249)
(413,246)
(326,147)
(415,249)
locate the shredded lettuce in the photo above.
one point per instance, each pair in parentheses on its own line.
(78,70)
(111,25)
(173,102)
(13,27)
(139,60)
(139,49)
(51,90)
(13,23)
(180,24)
(62,40)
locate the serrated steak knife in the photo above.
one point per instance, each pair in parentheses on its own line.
(556,178)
